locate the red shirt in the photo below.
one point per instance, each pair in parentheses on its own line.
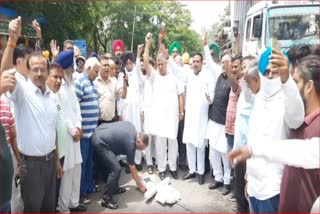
(232,111)
(6,117)
(301,187)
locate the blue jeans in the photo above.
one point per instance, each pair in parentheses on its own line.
(270,205)
(230,140)
(6,208)
(86,185)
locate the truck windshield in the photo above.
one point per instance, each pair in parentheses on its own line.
(293,25)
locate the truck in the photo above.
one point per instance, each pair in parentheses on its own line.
(280,25)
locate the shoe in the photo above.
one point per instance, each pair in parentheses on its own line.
(80,208)
(84,200)
(226,190)
(110,204)
(201,179)
(215,185)
(162,175)
(235,210)
(139,167)
(232,197)
(150,169)
(174,174)
(123,163)
(120,190)
(96,188)
(189,176)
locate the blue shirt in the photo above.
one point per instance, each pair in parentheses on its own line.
(89,105)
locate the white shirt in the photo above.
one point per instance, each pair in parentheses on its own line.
(271,118)
(131,106)
(297,153)
(72,115)
(36,118)
(197,106)
(165,105)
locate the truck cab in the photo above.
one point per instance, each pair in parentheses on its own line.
(280,25)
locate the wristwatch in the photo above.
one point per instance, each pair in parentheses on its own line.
(181,113)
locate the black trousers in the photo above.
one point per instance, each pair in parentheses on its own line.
(109,161)
(38,185)
(239,173)
(182,160)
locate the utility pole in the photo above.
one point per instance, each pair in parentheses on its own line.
(134,21)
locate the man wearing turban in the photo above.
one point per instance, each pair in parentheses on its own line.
(175,49)
(118,47)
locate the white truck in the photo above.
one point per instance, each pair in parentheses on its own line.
(280,25)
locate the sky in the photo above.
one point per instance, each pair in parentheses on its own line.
(205,13)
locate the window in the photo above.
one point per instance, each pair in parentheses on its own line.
(257,27)
(248,29)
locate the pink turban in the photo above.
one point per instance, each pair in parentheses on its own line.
(117,43)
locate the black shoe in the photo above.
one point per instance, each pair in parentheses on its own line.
(123,163)
(139,167)
(201,179)
(84,200)
(215,185)
(80,208)
(226,190)
(120,190)
(111,204)
(162,175)
(174,174)
(189,176)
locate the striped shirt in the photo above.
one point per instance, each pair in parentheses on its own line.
(6,117)
(89,104)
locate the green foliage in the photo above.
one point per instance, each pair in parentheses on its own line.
(101,22)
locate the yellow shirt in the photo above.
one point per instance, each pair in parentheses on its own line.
(108,92)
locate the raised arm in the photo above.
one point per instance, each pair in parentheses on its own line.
(39,43)
(295,112)
(14,33)
(146,55)
(138,67)
(213,67)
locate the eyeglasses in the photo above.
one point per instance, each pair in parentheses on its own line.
(36,70)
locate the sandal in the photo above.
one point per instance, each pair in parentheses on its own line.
(109,204)
(150,169)
(120,190)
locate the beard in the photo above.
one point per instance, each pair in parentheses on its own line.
(304,100)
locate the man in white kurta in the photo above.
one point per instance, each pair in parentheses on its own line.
(131,106)
(167,98)
(199,88)
(200,85)
(69,193)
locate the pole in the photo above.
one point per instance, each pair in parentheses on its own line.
(134,21)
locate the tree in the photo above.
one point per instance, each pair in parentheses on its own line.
(99,22)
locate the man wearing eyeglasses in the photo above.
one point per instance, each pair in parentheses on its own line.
(108,90)
(36,119)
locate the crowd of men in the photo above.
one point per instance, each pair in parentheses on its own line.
(78,119)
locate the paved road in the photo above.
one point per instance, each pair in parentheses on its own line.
(194,197)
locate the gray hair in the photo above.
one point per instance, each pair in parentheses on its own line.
(91,62)
(253,68)
(162,57)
